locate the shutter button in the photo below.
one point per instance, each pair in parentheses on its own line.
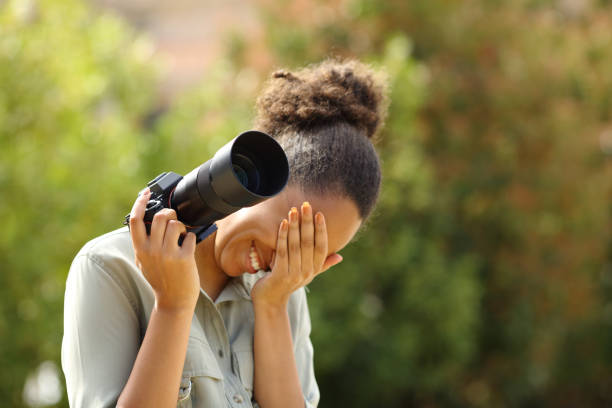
(238,399)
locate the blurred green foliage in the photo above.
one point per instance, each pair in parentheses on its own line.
(81,132)
(73,90)
(489,256)
(482,279)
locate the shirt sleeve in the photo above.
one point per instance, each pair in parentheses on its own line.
(101,335)
(304,354)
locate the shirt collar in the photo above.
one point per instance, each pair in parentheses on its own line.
(239,288)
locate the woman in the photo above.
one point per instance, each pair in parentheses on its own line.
(150,324)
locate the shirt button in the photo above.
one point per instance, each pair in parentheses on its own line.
(220,353)
(238,399)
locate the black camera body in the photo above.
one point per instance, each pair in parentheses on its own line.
(249,169)
(161,188)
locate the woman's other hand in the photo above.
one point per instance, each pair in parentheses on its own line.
(169,268)
(301,255)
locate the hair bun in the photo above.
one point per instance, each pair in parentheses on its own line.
(332,92)
(281,73)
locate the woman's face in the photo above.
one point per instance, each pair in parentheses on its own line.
(259,225)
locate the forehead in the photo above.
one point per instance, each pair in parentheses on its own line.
(341,214)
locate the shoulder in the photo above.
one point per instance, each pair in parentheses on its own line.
(113,253)
(108,248)
(110,257)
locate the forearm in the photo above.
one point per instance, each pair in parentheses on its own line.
(276,377)
(156,374)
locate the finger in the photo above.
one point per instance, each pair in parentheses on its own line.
(320,249)
(189,243)
(295,263)
(281,261)
(307,239)
(332,260)
(138,232)
(158,227)
(174,229)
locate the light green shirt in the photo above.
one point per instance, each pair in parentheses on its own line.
(107,307)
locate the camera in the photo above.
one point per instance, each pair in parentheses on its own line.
(247,170)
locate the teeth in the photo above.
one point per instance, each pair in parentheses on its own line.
(254,259)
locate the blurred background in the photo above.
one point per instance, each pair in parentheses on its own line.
(484,278)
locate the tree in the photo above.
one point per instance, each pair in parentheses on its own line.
(81,132)
(511,151)
(75,87)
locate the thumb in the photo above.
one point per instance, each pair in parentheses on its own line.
(273,260)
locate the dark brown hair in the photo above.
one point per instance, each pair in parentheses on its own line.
(325,116)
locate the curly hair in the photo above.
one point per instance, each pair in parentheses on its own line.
(325,117)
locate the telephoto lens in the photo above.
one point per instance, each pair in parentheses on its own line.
(248,170)
(244,172)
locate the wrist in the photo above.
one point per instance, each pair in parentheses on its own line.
(176,309)
(270,308)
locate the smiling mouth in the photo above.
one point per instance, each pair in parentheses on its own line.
(256,262)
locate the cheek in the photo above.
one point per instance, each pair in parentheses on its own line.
(225,247)
(234,258)
(235,234)
(231,248)
(231,257)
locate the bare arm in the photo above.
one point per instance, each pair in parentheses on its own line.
(172,273)
(276,377)
(301,254)
(156,375)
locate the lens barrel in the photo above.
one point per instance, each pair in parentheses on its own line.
(247,170)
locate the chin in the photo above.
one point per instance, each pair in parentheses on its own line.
(234,272)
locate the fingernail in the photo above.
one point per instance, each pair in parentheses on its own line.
(319,218)
(293,214)
(284,224)
(306,205)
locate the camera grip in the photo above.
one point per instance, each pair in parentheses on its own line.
(153,207)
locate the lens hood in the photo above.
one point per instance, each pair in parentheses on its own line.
(247,170)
